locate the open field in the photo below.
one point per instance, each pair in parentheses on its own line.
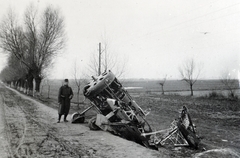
(172,86)
(201,87)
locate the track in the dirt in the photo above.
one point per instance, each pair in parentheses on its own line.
(27,135)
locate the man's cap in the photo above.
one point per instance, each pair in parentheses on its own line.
(66,80)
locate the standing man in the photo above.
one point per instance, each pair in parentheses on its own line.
(64,97)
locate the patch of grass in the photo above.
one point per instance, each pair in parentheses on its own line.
(232,96)
(219,96)
(214,95)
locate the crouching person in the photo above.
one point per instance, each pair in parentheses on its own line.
(64,97)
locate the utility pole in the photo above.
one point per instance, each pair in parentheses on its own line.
(99,67)
(106,64)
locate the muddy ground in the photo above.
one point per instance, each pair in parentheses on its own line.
(29,129)
(217,121)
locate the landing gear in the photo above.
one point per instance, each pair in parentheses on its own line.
(77,118)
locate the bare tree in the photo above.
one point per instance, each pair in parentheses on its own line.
(109,60)
(79,79)
(49,39)
(93,64)
(190,73)
(230,84)
(36,42)
(162,83)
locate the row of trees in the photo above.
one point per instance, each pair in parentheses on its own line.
(31,45)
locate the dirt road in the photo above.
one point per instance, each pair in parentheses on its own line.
(29,129)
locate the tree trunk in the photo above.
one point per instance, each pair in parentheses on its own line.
(15,84)
(78,96)
(18,84)
(22,83)
(191,88)
(38,83)
(41,90)
(49,91)
(162,90)
(30,84)
(25,86)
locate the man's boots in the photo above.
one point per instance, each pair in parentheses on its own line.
(65,118)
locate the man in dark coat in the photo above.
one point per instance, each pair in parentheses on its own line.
(64,97)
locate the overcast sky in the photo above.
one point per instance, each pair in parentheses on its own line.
(154,36)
